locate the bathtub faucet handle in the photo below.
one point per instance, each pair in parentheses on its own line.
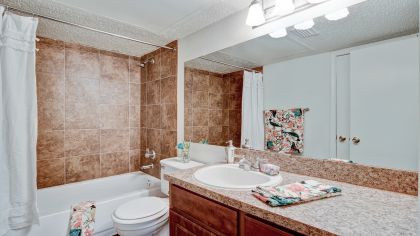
(150,154)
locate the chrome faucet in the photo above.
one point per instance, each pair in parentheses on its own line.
(244,164)
(247,165)
(146,167)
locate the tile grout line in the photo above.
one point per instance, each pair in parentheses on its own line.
(160,100)
(64,121)
(98,118)
(129,113)
(139,114)
(146,106)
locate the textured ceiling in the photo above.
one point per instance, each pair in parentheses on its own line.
(169,18)
(220,56)
(202,16)
(370,21)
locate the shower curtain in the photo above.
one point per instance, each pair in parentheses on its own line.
(252,110)
(18,122)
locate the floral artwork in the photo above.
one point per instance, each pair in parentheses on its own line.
(283,130)
(83,219)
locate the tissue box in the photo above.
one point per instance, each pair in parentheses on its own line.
(270,169)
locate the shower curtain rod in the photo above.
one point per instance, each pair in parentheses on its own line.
(8,8)
(227,64)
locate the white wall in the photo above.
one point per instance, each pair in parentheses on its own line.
(309,82)
(303,82)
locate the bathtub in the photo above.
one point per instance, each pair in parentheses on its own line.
(54,203)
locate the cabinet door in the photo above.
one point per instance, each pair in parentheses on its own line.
(209,213)
(181,226)
(384,110)
(254,227)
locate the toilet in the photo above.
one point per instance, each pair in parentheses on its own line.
(147,215)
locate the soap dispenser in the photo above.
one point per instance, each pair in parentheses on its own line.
(230,152)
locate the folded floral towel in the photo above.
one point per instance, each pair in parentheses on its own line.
(304,191)
(82,219)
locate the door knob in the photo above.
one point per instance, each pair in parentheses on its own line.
(342,138)
(355,140)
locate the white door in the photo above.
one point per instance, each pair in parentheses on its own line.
(384,104)
(342,78)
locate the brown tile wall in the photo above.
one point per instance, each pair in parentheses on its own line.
(90,117)
(212,106)
(158,122)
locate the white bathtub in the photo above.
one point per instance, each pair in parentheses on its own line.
(54,203)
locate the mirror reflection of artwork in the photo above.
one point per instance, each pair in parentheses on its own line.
(284,130)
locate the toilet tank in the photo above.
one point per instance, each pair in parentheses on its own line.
(169,165)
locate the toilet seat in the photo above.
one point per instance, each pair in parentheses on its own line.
(142,210)
(145,225)
(142,216)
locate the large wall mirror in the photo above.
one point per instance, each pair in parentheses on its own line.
(343,89)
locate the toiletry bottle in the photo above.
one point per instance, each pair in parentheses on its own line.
(230,152)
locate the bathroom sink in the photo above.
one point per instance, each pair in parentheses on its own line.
(230,176)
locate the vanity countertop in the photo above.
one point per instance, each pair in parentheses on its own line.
(358,211)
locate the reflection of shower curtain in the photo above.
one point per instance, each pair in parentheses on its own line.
(18,122)
(252,110)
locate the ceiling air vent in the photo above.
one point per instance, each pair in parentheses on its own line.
(306,33)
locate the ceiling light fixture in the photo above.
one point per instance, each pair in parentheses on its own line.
(337,15)
(305,25)
(315,1)
(284,7)
(280,33)
(255,14)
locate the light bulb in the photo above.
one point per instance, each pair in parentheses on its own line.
(278,33)
(305,25)
(315,1)
(255,14)
(284,7)
(337,15)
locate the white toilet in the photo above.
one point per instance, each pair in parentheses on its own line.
(147,215)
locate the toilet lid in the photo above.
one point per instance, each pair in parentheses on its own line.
(140,208)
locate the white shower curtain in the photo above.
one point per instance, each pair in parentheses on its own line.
(18,122)
(252,110)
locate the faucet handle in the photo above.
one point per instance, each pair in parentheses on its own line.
(256,163)
(150,154)
(246,145)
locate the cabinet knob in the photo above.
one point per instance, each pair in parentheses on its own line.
(355,140)
(342,138)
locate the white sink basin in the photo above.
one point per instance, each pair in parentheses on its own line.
(230,176)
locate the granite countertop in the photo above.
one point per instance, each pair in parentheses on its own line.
(358,211)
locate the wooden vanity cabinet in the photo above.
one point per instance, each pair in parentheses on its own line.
(192,214)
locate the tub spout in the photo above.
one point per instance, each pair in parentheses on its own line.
(146,167)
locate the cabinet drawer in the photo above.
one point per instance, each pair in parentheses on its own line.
(181,226)
(253,227)
(215,216)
